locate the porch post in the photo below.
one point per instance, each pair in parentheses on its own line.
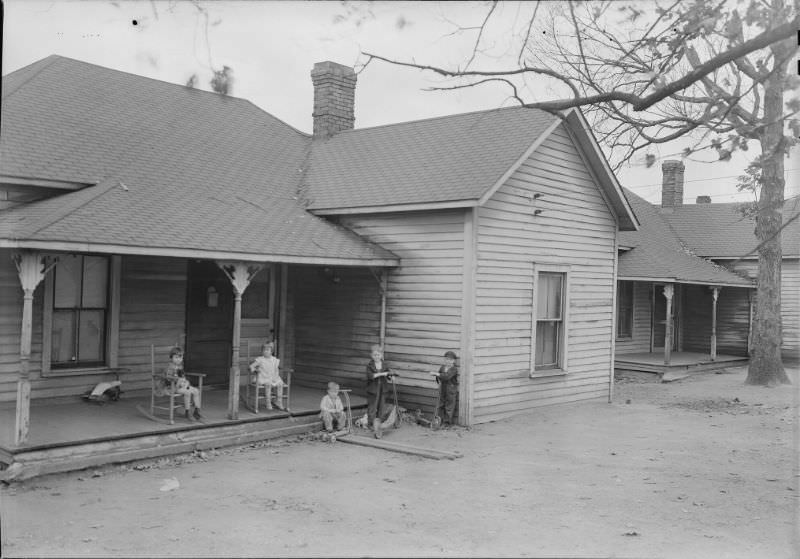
(31,268)
(714,297)
(240,274)
(384,287)
(669,291)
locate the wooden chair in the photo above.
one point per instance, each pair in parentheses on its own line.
(254,393)
(163,395)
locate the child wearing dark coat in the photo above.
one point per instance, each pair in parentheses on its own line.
(447,379)
(378,374)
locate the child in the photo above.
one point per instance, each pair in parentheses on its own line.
(377,374)
(332,409)
(174,370)
(266,368)
(447,378)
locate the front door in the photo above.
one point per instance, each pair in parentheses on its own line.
(659,318)
(209,322)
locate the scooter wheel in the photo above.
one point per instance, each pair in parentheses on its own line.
(436,423)
(333,438)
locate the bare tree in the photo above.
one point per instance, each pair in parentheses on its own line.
(647,74)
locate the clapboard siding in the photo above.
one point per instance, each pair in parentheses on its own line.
(576,229)
(152,303)
(642,309)
(424,298)
(790,300)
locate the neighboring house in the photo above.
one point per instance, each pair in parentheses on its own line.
(138,212)
(702,252)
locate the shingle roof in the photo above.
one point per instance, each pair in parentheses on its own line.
(656,252)
(457,157)
(175,167)
(720,231)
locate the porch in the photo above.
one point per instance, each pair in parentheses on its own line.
(68,433)
(679,362)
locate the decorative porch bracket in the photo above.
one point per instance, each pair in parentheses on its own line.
(669,291)
(714,297)
(240,274)
(32,268)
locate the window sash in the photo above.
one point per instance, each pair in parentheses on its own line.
(625,309)
(79,319)
(548,351)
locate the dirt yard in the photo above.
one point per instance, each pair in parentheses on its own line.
(703,467)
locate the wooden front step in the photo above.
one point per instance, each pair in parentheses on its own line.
(49,459)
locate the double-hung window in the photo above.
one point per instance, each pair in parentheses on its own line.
(81,314)
(549,320)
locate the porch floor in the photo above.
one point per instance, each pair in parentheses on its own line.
(63,420)
(680,361)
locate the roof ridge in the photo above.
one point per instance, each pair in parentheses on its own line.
(440,117)
(55,57)
(45,63)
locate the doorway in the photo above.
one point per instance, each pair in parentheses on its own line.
(209,322)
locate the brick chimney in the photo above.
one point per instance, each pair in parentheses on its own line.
(672,183)
(703,199)
(334,98)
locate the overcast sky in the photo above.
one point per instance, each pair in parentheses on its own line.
(272,46)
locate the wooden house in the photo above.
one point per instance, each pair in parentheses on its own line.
(138,212)
(687,282)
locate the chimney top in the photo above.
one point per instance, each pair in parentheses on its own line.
(672,183)
(704,199)
(334,98)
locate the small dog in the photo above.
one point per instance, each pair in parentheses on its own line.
(362,422)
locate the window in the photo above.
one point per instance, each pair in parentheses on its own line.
(624,309)
(81,315)
(80,305)
(549,320)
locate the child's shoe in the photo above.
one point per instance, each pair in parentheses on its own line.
(197,413)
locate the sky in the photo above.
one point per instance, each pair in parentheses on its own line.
(273,45)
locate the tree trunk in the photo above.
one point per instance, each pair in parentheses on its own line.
(766,365)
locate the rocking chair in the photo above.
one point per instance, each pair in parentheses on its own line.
(163,392)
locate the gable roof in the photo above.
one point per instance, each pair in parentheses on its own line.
(720,231)
(451,161)
(656,254)
(173,169)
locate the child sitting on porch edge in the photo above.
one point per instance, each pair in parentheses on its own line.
(331,409)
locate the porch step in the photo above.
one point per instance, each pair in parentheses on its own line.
(48,459)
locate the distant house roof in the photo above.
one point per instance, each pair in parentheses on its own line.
(720,231)
(142,165)
(656,253)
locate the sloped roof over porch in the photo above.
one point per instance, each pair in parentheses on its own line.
(159,168)
(655,253)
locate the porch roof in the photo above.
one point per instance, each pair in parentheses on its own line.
(656,253)
(167,170)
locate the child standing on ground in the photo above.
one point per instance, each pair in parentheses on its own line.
(447,379)
(331,409)
(174,371)
(266,369)
(377,388)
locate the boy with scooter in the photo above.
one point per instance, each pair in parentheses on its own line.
(378,378)
(447,379)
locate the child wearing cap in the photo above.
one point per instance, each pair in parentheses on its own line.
(331,409)
(266,369)
(447,378)
(174,371)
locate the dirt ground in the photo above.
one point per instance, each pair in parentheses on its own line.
(702,467)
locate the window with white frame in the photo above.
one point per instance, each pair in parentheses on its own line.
(80,314)
(550,320)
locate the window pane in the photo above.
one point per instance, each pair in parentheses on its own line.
(95,282)
(625,309)
(549,296)
(546,344)
(67,282)
(255,301)
(91,341)
(63,340)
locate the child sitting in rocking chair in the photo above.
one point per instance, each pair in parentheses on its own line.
(266,370)
(191,395)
